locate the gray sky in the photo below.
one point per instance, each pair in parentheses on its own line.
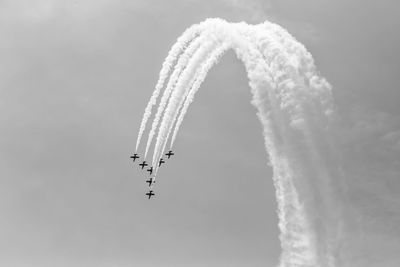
(74,81)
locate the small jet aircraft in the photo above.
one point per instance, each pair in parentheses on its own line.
(150,193)
(143,164)
(150,181)
(134,157)
(169,154)
(150,170)
(161,162)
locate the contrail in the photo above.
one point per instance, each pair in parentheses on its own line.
(294,105)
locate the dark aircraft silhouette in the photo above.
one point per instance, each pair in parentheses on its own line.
(134,157)
(150,170)
(150,193)
(161,162)
(150,181)
(169,154)
(143,164)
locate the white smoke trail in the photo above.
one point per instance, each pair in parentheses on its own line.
(195,83)
(313,93)
(299,96)
(294,106)
(200,76)
(177,97)
(297,235)
(176,49)
(188,36)
(180,66)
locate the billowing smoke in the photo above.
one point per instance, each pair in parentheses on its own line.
(294,106)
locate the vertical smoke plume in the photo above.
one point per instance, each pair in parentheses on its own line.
(294,106)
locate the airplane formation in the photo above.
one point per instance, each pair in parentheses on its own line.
(151,180)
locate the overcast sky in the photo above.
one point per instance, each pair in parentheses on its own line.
(74,81)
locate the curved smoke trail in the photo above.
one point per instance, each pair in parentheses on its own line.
(176,49)
(294,106)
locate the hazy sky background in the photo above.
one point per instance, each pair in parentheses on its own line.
(74,81)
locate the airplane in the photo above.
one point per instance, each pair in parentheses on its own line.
(150,182)
(161,162)
(143,164)
(169,154)
(134,157)
(150,170)
(150,193)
